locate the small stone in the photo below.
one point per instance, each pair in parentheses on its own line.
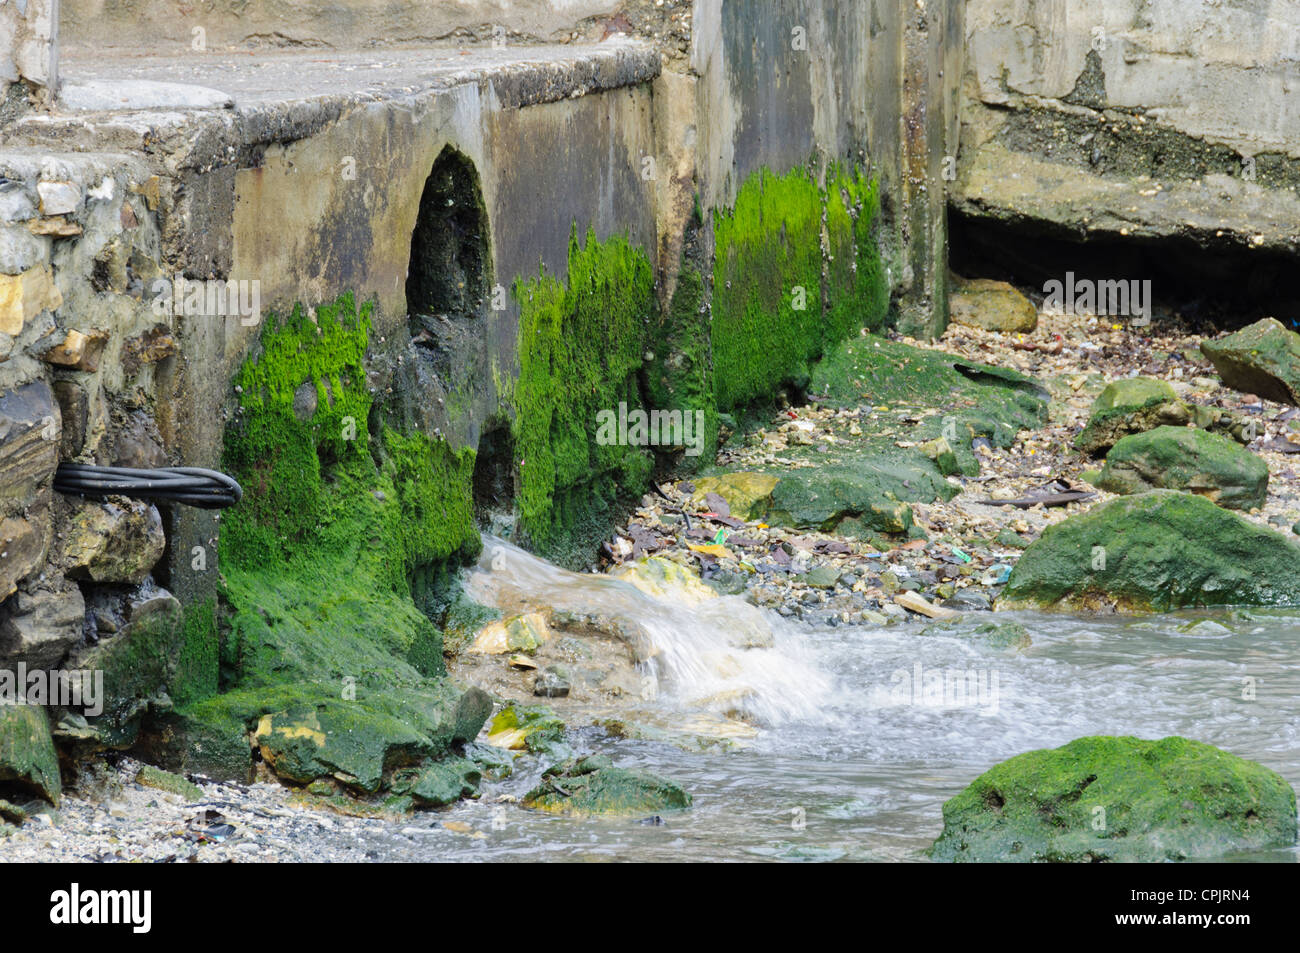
(58,198)
(551,683)
(24,296)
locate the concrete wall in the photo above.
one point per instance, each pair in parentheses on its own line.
(1135,120)
(29,51)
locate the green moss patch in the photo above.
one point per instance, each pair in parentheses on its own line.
(1118,799)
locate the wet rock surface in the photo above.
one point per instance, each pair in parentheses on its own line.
(1118,799)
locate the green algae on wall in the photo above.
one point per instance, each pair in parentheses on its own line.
(341,516)
(581,347)
(857,290)
(767,289)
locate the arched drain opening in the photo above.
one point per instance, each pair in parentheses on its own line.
(447,281)
(494,477)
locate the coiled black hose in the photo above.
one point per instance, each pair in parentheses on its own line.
(191,486)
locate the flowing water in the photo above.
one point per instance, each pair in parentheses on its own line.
(861,733)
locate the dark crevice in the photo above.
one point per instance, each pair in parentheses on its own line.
(1206,288)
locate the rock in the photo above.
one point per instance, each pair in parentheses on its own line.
(1118,799)
(29,440)
(1011,539)
(38,628)
(113,541)
(305,401)
(591,786)
(1108,427)
(346,740)
(665,579)
(747,494)
(991,305)
(1131,393)
(74,408)
(136,445)
(521,633)
(823,577)
(1183,458)
(438,783)
(1262,358)
(27,754)
(917,603)
(871,493)
(23,545)
(942,454)
(551,683)
(59,198)
(78,350)
(516,727)
(24,296)
(471,712)
(20,250)
(161,780)
(998,635)
(150,347)
(1155,551)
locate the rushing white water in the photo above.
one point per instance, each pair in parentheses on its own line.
(719,654)
(855,755)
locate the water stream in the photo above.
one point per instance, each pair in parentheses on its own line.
(861,733)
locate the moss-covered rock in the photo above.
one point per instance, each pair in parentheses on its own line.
(1157,551)
(1132,392)
(27,756)
(991,305)
(169,783)
(1262,358)
(1107,427)
(439,782)
(1183,458)
(592,786)
(518,727)
(1118,799)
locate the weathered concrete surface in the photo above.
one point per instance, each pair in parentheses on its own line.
(29,48)
(1127,119)
(320,23)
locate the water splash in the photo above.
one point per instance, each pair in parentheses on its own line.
(720,654)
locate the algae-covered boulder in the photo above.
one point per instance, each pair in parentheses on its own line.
(1118,799)
(1263,359)
(344,740)
(1132,392)
(991,305)
(1108,426)
(872,491)
(1158,551)
(592,786)
(439,782)
(27,756)
(1182,458)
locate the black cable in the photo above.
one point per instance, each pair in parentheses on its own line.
(191,486)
